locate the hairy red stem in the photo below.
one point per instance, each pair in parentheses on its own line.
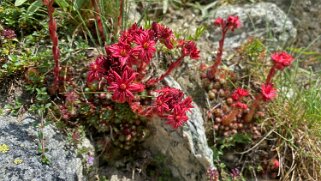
(54,38)
(120,17)
(219,55)
(98,19)
(271,75)
(249,116)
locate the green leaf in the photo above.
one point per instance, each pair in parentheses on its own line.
(63,4)
(34,7)
(45,160)
(77,4)
(40,135)
(19,2)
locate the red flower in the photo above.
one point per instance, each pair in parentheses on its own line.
(219,21)
(189,49)
(233,22)
(162,104)
(168,98)
(96,69)
(186,104)
(275,163)
(164,34)
(123,87)
(145,48)
(122,51)
(239,93)
(170,104)
(282,59)
(268,92)
(177,118)
(128,36)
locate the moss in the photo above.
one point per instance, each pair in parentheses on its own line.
(17,161)
(4,148)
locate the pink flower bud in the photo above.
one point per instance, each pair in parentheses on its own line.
(233,22)
(218,21)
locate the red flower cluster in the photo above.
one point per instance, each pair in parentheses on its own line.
(163,34)
(232,22)
(239,93)
(189,49)
(237,96)
(268,92)
(282,60)
(170,103)
(122,72)
(135,47)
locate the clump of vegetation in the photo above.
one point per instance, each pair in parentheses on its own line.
(120,93)
(112,91)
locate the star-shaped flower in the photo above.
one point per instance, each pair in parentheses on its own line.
(123,87)
(96,69)
(177,118)
(122,51)
(145,48)
(268,92)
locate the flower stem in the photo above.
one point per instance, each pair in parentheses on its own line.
(98,19)
(218,61)
(271,75)
(120,17)
(54,38)
(254,106)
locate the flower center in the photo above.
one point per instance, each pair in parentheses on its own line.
(177,117)
(145,45)
(123,53)
(123,86)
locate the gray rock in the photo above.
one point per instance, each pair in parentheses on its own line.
(133,14)
(22,141)
(263,20)
(186,147)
